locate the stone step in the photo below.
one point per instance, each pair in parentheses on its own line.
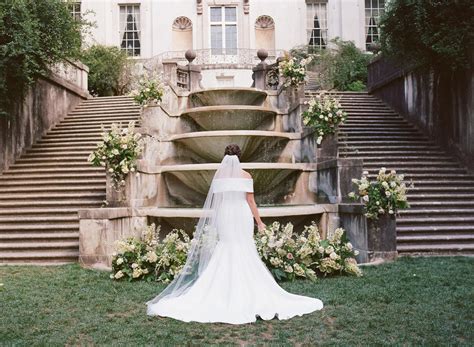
(71,170)
(45,195)
(381,145)
(119,107)
(436,196)
(76,137)
(412,220)
(374,153)
(46,181)
(39,257)
(54,188)
(406,138)
(455,189)
(67,141)
(453,248)
(37,212)
(9,176)
(447,183)
(435,228)
(65,226)
(435,212)
(38,237)
(82,158)
(388,158)
(45,164)
(89,125)
(429,176)
(407,171)
(47,219)
(374,125)
(408,165)
(442,204)
(349,132)
(52,203)
(123,118)
(436,238)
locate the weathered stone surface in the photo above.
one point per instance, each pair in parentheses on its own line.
(382,237)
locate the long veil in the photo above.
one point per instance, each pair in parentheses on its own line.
(205,236)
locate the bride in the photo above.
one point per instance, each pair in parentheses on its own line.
(224,279)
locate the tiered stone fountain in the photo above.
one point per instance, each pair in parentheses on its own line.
(187,135)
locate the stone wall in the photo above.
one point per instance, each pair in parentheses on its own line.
(440,103)
(48,101)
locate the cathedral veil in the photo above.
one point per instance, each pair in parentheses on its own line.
(205,236)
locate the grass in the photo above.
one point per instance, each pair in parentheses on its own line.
(412,301)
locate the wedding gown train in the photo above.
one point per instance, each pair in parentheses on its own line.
(236,286)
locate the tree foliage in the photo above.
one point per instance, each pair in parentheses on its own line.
(109,70)
(429,33)
(34,35)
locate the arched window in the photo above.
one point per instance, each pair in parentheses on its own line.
(265,33)
(182,37)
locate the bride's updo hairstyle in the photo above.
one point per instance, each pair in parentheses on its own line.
(233,149)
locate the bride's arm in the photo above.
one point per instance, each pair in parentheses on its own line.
(253,207)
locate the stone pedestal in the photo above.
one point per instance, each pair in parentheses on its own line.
(334,179)
(295,95)
(382,238)
(98,231)
(327,150)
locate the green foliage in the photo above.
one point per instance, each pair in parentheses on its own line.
(109,70)
(341,66)
(429,33)
(34,35)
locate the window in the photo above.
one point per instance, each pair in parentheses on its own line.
(75,9)
(317,24)
(373,10)
(130,29)
(223,30)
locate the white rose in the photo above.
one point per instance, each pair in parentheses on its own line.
(119,261)
(390,211)
(365,198)
(119,274)
(333,256)
(111,170)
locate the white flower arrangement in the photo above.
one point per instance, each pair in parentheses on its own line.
(385,195)
(118,152)
(324,115)
(150,91)
(293,70)
(148,258)
(287,254)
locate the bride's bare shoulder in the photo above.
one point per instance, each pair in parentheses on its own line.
(245,174)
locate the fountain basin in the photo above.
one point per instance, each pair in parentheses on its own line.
(186,218)
(256,145)
(233,117)
(188,184)
(227,96)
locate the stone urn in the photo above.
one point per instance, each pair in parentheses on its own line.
(327,149)
(382,237)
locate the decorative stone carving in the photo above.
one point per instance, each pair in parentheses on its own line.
(264,22)
(246,6)
(199,6)
(182,23)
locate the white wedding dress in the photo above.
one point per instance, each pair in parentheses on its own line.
(235,287)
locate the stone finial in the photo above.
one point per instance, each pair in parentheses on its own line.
(190,55)
(262,54)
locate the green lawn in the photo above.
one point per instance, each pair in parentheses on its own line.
(413,301)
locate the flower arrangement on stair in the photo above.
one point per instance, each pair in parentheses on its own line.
(324,115)
(293,70)
(287,255)
(118,152)
(383,196)
(149,92)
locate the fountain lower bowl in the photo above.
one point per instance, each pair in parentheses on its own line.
(233,117)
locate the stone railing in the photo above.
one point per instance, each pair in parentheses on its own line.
(208,58)
(73,72)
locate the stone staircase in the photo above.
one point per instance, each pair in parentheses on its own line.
(441,217)
(41,193)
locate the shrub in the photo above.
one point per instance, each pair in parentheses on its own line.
(428,33)
(341,66)
(34,35)
(109,70)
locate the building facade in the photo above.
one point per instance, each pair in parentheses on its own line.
(227,32)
